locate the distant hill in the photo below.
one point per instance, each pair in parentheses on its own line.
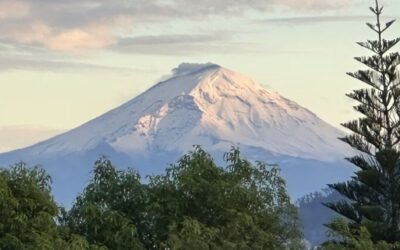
(314,215)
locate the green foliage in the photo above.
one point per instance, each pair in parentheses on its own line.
(28,212)
(373,201)
(26,209)
(194,205)
(191,234)
(241,206)
(353,238)
(109,209)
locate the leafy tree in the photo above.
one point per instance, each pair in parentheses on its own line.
(28,212)
(241,206)
(26,209)
(194,205)
(108,210)
(374,192)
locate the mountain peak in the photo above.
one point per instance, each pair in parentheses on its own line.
(208,105)
(215,77)
(199,104)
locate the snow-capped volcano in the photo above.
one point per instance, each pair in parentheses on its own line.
(207,105)
(199,104)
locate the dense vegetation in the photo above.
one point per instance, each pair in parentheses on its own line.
(193,205)
(371,213)
(28,212)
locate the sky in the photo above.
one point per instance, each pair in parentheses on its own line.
(63,63)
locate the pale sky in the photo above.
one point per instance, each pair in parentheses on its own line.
(63,63)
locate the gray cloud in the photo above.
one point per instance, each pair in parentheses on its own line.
(173,39)
(97,24)
(172,44)
(22,57)
(183,44)
(74,12)
(317,19)
(12,63)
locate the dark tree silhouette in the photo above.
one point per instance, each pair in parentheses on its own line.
(374,192)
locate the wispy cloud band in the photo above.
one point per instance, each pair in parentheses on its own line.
(78,25)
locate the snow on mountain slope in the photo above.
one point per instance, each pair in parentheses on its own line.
(199,104)
(208,105)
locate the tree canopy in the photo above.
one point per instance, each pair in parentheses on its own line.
(193,205)
(28,212)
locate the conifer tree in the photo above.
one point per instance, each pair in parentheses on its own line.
(373,194)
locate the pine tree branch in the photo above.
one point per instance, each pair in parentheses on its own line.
(372,27)
(367,98)
(356,141)
(386,45)
(369,77)
(371,62)
(369,45)
(388,24)
(345,209)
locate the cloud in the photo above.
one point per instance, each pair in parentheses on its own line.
(168,44)
(13,9)
(30,58)
(173,39)
(79,39)
(185,68)
(81,25)
(91,36)
(238,6)
(314,4)
(222,42)
(317,19)
(12,63)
